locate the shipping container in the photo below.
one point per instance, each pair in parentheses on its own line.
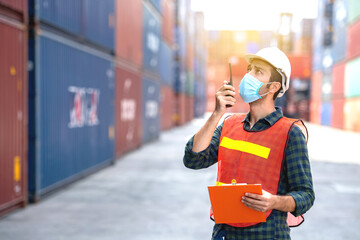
(189,107)
(190,55)
(326,114)
(340,30)
(168,7)
(318,38)
(180,77)
(352,83)
(190,84)
(338,81)
(71,115)
(167,64)
(128,113)
(210,96)
(129,30)
(15,9)
(300,66)
(200,99)
(157,4)
(87,19)
(316,83)
(326,86)
(338,113)
(182,10)
(315,111)
(180,41)
(354,11)
(14,116)
(151,40)
(167,107)
(180,115)
(151,109)
(352,114)
(353,39)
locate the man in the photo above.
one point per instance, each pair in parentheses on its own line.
(259,147)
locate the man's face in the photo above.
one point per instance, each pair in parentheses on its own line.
(260,70)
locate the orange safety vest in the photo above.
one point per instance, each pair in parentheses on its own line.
(254,157)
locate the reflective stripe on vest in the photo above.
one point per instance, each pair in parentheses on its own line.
(253,157)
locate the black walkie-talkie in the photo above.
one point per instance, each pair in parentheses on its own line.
(231,83)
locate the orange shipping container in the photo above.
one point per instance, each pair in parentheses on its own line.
(352,114)
(180,114)
(315,111)
(316,83)
(338,84)
(300,66)
(168,8)
(353,46)
(167,107)
(337,118)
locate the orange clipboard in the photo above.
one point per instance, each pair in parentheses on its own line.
(227,206)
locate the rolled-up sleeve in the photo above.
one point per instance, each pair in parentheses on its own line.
(299,172)
(205,158)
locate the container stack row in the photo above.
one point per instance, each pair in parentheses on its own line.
(335,94)
(84,82)
(13,105)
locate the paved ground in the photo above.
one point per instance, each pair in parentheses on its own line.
(148,194)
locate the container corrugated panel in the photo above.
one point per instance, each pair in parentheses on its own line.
(338,113)
(318,38)
(167,107)
(353,46)
(128,112)
(189,106)
(300,66)
(190,83)
(180,77)
(151,110)
(157,4)
(13,120)
(190,56)
(338,81)
(168,7)
(210,96)
(326,114)
(340,30)
(166,64)
(71,112)
(151,41)
(99,22)
(354,11)
(180,39)
(352,83)
(316,83)
(352,114)
(20,6)
(326,86)
(315,111)
(129,31)
(93,20)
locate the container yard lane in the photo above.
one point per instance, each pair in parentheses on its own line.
(149,194)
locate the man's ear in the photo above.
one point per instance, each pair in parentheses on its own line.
(275,87)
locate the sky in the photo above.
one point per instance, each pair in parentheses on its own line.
(252,14)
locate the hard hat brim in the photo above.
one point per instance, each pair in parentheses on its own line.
(250,57)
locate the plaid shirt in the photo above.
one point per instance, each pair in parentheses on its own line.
(295,180)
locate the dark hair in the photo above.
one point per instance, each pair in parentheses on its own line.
(276,77)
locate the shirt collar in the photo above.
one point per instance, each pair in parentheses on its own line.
(272,118)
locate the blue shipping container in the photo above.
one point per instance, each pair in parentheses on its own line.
(92,20)
(180,40)
(200,99)
(340,30)
(180,77)
(157,4)
(151,110)
(71,127)
(326,113)
(151,41)
(166,64)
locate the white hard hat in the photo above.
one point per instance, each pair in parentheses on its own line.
(278,60)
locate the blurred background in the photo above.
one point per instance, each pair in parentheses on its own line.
(86,83)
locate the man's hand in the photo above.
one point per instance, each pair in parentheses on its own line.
(225,95)
(260,203)
(268,201)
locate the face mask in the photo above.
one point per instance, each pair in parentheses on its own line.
(249,88)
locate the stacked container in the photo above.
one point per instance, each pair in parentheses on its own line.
(128,75)
(167,65)
(337,62)
(13,105)
(151,45)
(71,92)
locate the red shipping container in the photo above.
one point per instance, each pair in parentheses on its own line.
(128,39)
(190,56)
(14,116)
(300,66)
(315,111)
(128,111)
(20,8)
(353,39)
(239,66)
(338,82)
(217,73)
(167,107)
(211,91)
(168,8)
(352,114)
(180,115)
(316,84)
(338,113)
